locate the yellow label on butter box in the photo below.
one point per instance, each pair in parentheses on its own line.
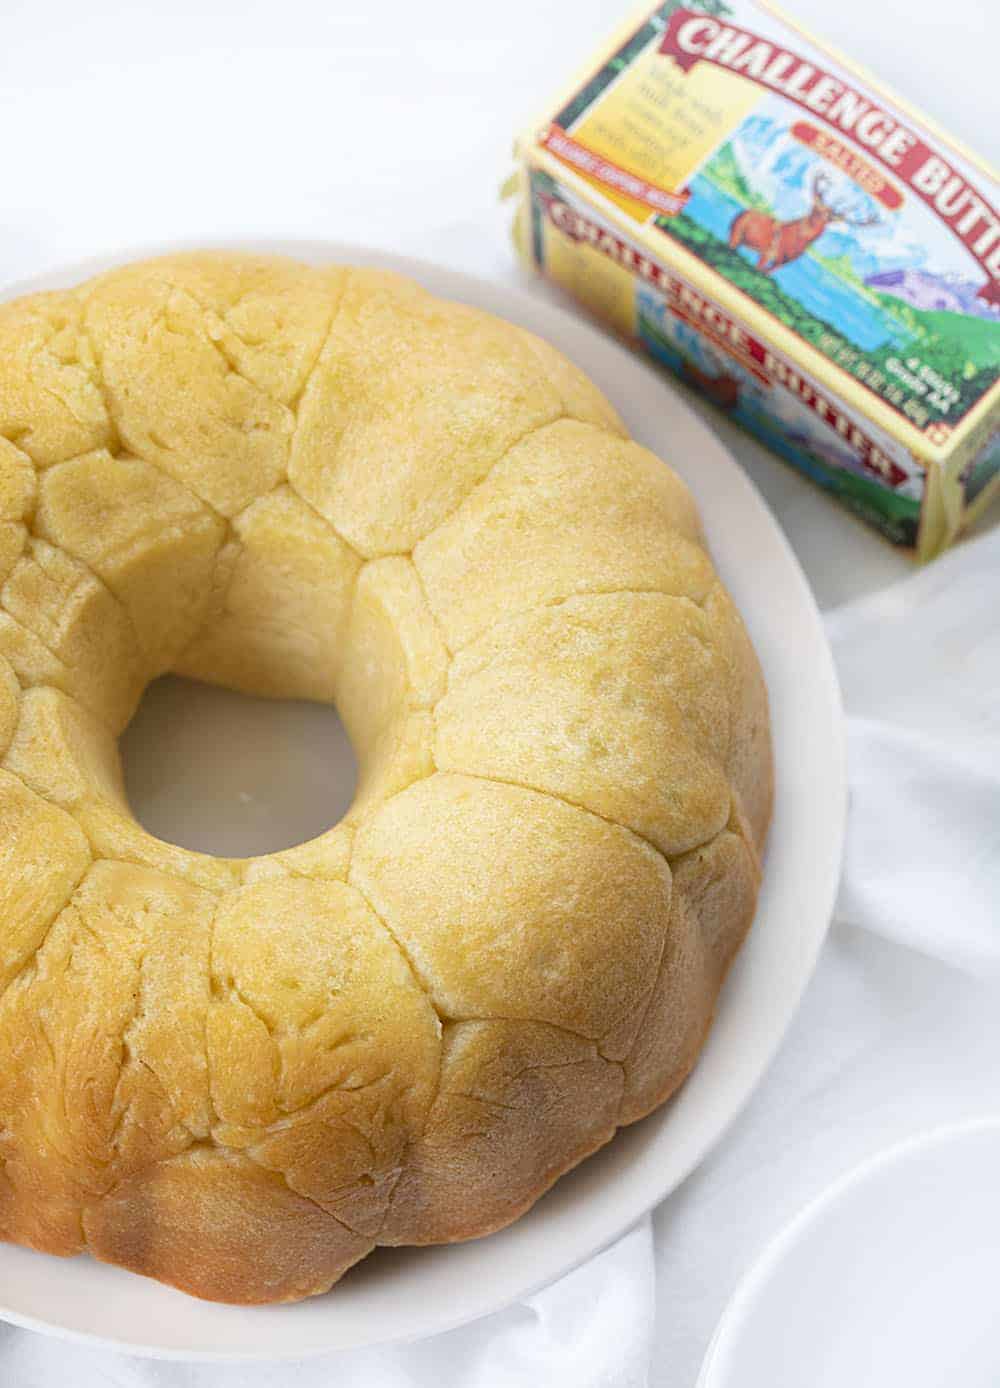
(661,123)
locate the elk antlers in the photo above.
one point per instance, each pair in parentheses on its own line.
(820,187)
(867,219)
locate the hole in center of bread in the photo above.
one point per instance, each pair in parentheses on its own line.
(235,776)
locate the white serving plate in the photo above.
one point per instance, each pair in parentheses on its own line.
(889,1277)
(409,1294)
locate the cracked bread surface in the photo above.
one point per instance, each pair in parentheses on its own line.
(240,1076)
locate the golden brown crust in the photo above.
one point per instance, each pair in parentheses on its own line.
(239,1077)
(219,1227)
(519,1103)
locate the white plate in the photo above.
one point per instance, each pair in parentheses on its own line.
(408,1294)
(892,1276)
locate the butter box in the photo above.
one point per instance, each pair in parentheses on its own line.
(758,215)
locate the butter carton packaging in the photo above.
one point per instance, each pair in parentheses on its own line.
(760,217)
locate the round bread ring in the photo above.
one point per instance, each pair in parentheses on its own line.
(241,1076)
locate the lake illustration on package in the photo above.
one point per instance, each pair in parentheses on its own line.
(760,218)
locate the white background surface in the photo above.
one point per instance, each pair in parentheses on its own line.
(391,124)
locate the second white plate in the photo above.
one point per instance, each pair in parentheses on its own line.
(890,1277)
(409,1294)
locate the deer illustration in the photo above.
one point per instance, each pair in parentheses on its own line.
(779,243)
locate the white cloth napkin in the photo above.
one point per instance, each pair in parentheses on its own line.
(899,1030)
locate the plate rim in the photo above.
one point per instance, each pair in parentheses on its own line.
(472,288)
(757,1275)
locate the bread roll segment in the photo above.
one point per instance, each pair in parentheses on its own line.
(395,355)
(17,499)
(615,702)
(52,405)
(145,536)
(240,1076)
(516,905)
(570,509)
